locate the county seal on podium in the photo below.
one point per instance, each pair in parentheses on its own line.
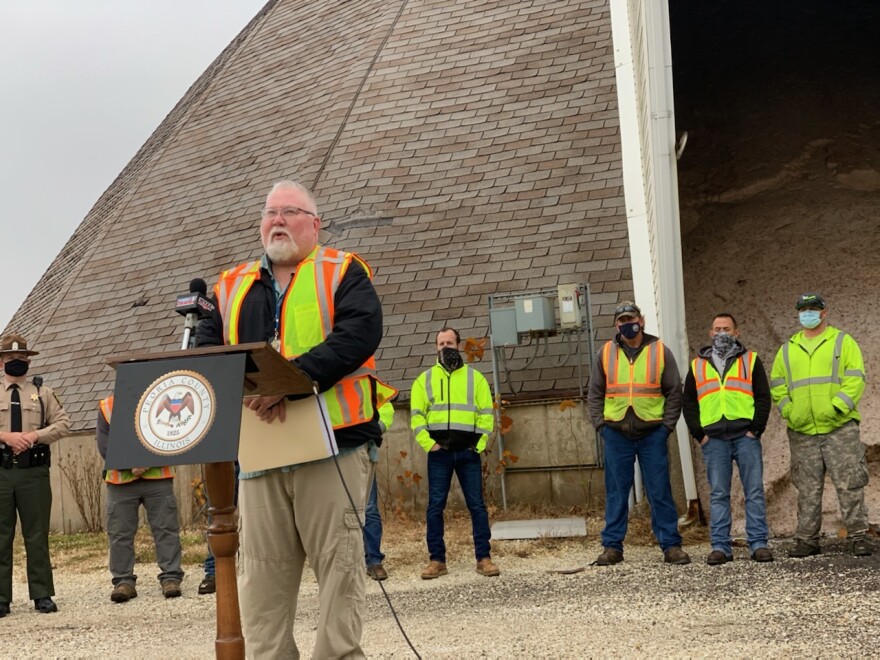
(175,413)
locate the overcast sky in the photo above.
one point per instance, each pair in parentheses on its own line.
(83,84)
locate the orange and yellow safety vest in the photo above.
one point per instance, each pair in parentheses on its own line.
(306,319)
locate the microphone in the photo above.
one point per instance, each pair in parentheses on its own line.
(194,306)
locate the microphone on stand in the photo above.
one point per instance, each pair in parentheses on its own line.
(194,306)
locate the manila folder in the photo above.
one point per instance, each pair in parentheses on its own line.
(302,437)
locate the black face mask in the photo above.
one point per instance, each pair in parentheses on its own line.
(630,330)
(450,359)
(16,368)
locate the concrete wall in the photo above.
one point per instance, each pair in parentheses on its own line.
(542,436)
(76,458)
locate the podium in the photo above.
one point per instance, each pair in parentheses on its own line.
(184,407)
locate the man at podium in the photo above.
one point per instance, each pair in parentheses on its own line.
(319,309)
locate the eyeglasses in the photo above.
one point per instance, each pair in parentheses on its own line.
(288,213)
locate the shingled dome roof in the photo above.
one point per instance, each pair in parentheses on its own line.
(463,148)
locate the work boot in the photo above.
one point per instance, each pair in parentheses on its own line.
(377,572)
(123,592)
(171,588)
(803,549)
(434,570)
(861,547)
(45,605)
(717,557)
(208,585)
(609,557)
(487,568)
(4,609)
(675,555)
(762,555)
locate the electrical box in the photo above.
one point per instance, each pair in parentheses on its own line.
(570,310)
(502,324)
(535,315)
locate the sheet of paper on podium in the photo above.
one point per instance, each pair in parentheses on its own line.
(300,438)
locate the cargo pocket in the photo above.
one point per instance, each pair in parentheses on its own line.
(349,547)
(857,477)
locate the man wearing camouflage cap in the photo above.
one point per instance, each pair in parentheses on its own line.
(31,418)
(817,380)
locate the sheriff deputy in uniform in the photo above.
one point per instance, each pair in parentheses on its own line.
(31,418)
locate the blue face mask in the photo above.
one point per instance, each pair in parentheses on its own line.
(630,330)
(810,318)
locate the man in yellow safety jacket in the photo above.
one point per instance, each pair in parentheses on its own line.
(127,490)
(817,381)
(452,417)
(318,307)
(634,400)
(726,405)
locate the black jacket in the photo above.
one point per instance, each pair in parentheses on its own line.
(356,333)
(727,429)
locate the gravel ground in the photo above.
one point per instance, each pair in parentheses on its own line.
(825,606)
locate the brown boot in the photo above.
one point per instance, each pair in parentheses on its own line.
(123,592)
(487,568)
(434,570)
(171,588)
(377,572)
(675,555)
(609,557)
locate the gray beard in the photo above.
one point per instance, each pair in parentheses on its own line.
(281,253)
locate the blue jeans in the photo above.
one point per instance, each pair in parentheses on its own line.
(620,457)
(467,466)
(719,456)
(373,529)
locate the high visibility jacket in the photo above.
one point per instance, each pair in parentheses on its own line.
(634,384)
(384,395)
(731,398)
(126,476)
(817,392)
(444,403)
(306,319)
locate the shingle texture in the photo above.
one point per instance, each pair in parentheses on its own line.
(464,148)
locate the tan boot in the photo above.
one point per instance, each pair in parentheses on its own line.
(171,588)
(487,568)
(123,592)
(434,570)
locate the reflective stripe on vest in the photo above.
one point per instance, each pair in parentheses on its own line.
(734,398)
(834,378)
(306,319)
(229,292)
(125,476)
(450,409)
(633,384)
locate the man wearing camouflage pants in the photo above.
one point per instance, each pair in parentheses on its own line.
(817,380)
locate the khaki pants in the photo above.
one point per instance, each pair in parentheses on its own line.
(285,518)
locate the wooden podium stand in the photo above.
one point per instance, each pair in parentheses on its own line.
(229,373)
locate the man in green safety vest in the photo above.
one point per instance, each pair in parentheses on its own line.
(726,405)
(817,380)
